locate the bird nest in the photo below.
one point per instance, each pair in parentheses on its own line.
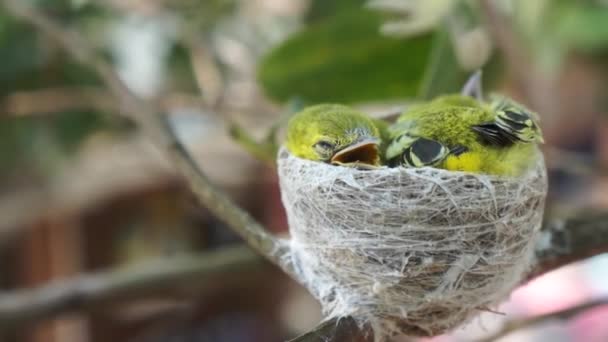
(409,251)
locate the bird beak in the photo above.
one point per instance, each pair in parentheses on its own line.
(473,87)
(364,154)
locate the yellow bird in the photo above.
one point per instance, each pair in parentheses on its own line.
(335,134)
(460,133)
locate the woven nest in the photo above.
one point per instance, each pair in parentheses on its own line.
(409,251)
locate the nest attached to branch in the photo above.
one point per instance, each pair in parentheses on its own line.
(409,251)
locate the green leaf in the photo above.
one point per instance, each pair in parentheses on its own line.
(19,48)
(30,60)
(443,73)
(323,9)
(345,59)
(182,74)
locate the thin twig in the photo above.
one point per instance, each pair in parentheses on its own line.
(561,315)
(566,240)
(86,292)
(573,239)
(573,163)
(53,100)
(335,330)
(265,151)
(155,125)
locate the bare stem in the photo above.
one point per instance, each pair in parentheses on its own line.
(21,307)
(561,315)
(581,237)
(567,240)
(53,100)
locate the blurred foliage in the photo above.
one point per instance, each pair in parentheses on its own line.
(323,9)
(182,74)
(345,59)
(443,73)
(31,62)
(34,141)
(19,47)
(581,25)
(339,55)
(201,15)
(266,149)
(554,28)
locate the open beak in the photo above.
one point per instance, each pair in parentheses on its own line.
(364,154)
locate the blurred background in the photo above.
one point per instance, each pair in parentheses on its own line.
(82,191)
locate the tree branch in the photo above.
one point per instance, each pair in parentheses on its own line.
(154,124)
(561,315)
(581,237)
(52,100)
(264,151)
(336,329)
(26,103)
(562,242)
(567,240)
(85,292)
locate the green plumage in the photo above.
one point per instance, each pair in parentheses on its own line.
(327,131)
(468,131)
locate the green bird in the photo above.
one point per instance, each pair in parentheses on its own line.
(336,134)
(460,133)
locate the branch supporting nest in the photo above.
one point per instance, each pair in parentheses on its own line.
(413,252)
(567,240)
(561,315)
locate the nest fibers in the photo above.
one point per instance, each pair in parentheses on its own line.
(409,251)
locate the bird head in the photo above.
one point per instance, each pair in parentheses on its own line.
(334,134)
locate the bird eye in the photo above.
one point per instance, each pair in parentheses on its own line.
(323,146)
(324,149)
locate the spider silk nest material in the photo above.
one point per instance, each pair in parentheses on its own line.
(409,251)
